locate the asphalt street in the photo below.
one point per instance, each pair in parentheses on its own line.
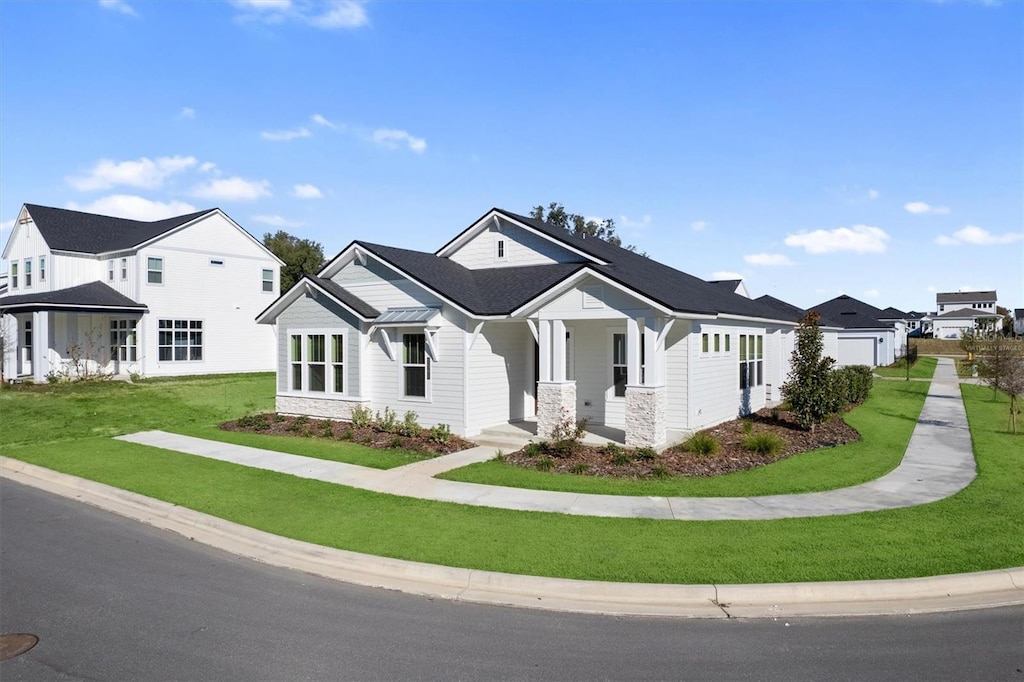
(113,599)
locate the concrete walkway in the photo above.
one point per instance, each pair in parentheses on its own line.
(938,463)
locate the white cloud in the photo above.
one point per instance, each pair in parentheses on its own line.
(872,293)
(873,194)
(134,207)
(232,189)
(393,139)
(977,236)
(725,274)
(768,259)
(285,135)
(858,239)
(145,173)
(276,221)
(636,224)
(119,6)
(326,14)
(306,192)
(208,167)
(699,225)
(920,207)
(854,194)
(320,120)
(187,112)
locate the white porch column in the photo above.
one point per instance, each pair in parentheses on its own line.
(544,347)
(633,351)
(654,353)
(10,332)
(645,401)
(557,351)
(40,346)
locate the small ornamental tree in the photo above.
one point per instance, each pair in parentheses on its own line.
(809,388)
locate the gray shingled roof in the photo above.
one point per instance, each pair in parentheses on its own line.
(966,313)
(849,313)
(345,296)
(891,313)
(965,296)
(786,311)
(91,296)
(66,230)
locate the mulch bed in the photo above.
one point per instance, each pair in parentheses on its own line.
(274,424)
(731,456)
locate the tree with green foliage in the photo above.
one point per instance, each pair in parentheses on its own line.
(300,256)
(574,223)
(809,388)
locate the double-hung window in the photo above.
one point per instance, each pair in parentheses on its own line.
(180,340)
(751,361)
(415,365)
(42,268)
(28,272)
(620,364)
(154,270)
(110,271)
(317,361)
(268,280)
(14,274)
(124,269)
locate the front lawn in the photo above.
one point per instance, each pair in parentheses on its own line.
(885,421)
(924,368)
(977,529)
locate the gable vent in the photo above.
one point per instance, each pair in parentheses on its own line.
(592,295)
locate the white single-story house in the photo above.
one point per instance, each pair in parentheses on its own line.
(866,335)
(514,319)
(92,293)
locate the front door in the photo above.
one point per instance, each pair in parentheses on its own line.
(123,344)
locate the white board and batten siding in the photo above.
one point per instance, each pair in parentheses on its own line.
(212,272)
(521,247)
(24,243)
(677,376)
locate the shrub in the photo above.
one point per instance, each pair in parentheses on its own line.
(621,458)
(660,472)
(388,422)
(580,468)
(611,449)
(441,433)
(327,428)
(395,443)
(409,426)
(362,417)
(701,443)
(859,383)
(347,434)
(256,422)
(499,456)
(764,443)
(298,424)
(533,450)
(748,426)
(545,464)
(645,453)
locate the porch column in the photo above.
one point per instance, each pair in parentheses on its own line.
(9,332)
(645,400)
(556,397)
(40,346)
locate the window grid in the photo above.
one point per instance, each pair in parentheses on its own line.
(28,273)
(268,280)
(316,359)
(415,366)
(180,341)
(154,270)
(14,274)
(123,340)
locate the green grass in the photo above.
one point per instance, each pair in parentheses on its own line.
(924,368)
(977,529)
(192,406)
(885,421)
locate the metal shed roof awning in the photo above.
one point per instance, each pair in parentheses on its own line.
(394,317)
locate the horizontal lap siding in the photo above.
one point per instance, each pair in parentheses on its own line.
(677,361)
(592,341)
(521,248)
(498,374)
(715,390)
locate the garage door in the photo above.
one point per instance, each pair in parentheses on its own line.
(858,351)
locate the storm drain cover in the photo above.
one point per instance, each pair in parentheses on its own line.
(16,645)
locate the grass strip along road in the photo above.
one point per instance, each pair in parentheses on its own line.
(67,428)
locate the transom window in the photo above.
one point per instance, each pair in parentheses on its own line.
(751,360)
(123,340)
(180,340)
(317,360)
(268,280)
(415,366)
(154,270)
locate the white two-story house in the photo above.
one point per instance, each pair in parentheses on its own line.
(89,293)
(517,320)
(959,310)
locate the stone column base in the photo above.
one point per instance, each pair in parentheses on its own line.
(556,404)
(645,416)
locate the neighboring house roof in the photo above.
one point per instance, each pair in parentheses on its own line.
(965,314)
(788,311)
(965,296)
(94,296)
(79,232)
(914,315)
(849,313)
(1018,313)
(891,313)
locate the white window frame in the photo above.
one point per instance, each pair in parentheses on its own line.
(500,248)
(150,270)
(42,269)
(124,340)
(14,274)
(402,365)
(178,326)
(303,363)
(124,269)
(612,333)
(751,361)
(28,273)
(268,280)
(110,270)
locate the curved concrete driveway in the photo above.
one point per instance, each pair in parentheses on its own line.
(938,463)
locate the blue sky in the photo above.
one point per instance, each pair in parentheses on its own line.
(814,148)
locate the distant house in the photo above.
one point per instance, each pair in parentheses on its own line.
(959,310)
(867,335)
(517,320)
(786,344)
(918,324)
(1018,321)
(170,297)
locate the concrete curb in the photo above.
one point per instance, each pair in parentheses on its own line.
(872,597)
